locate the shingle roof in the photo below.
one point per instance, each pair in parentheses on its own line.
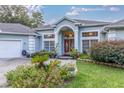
(82,22)
(90,22)
(117,24)
(15,28)
(45,27)
(120,22)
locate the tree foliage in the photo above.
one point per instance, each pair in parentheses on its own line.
(20,14)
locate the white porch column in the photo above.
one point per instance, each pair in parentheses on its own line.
(76,41)
(56,39)
(57,42)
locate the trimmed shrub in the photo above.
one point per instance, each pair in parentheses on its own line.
(63,70)
(65,73)
(35,54)
(26,77)
(34,77)
(84,56)
(108,51)
(43,52)
(74,53)
(40,59)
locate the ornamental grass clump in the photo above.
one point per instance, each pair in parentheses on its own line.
(108,51)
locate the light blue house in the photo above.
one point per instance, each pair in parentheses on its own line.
(66,34)
(69,33)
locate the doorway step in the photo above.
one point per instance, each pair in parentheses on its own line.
(65,57)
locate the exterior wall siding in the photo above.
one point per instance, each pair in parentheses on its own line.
(115,35)
(103,36)
(38,43)
(120,34)
(31,45)
(112,35)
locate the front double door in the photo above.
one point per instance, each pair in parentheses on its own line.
(68,45)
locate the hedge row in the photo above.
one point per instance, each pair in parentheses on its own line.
(108,51)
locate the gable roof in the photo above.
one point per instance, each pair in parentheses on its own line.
(65,18)
(120,22)
(75,21)
(83,22)
(91,22)
(15,28)
(117,24)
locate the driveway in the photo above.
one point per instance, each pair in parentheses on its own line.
(10,64)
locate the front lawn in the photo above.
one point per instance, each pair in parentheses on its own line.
(97,76)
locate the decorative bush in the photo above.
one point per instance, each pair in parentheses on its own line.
(74,53)
(63,70)
(84,56)
(32,77)
(65,73)
(53,75)
(26,77)
(68,71)
(40,59)
(111,52)
(43,52)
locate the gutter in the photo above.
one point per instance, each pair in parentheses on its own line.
(83,25)
(13,33)
(114,26)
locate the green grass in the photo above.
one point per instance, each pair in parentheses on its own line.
(97,76)
(84,56)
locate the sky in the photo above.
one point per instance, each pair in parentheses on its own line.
(112,13)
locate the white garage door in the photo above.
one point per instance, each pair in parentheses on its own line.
(10,48)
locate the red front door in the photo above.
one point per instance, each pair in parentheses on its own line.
(68,45)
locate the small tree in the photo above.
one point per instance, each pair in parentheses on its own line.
(40,60)
(20,14)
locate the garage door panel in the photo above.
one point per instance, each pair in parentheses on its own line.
(10,48)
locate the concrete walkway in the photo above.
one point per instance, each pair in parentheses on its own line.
(11,64)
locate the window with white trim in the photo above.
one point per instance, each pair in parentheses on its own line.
(87,44)
(49,45)
(89,34)
(47,36)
